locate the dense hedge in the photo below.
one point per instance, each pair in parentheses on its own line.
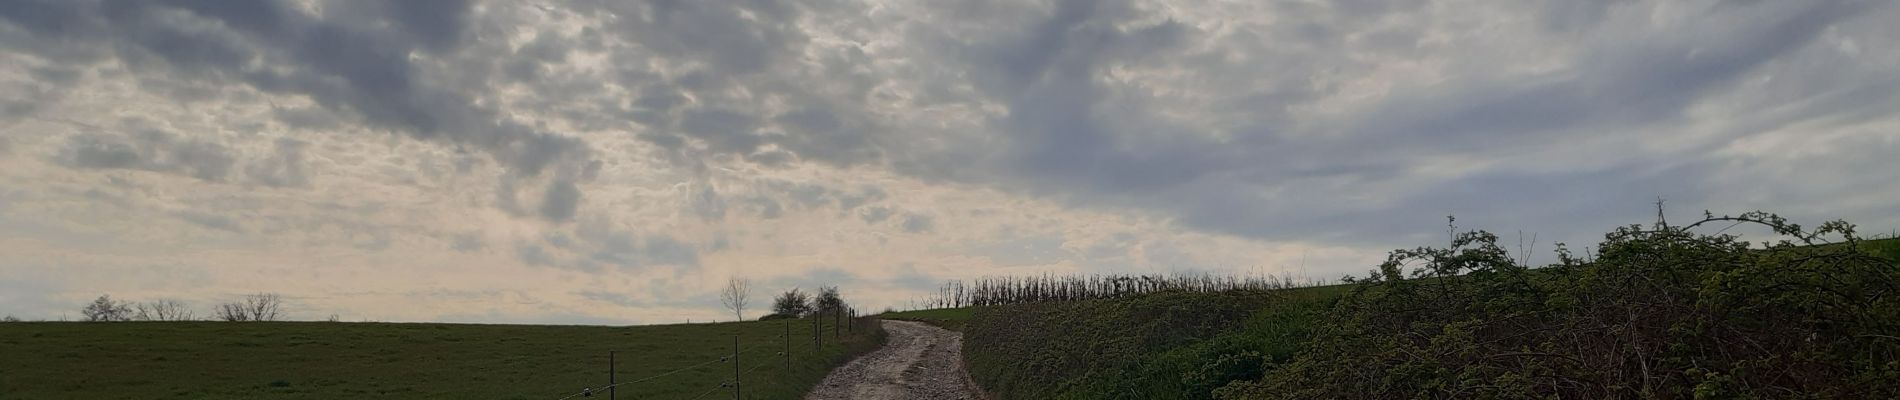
(1157,346)
(1655,312)
(1659,312)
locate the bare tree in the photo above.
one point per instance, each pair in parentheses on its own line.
(736,295)
(163,310)
(10,318)
(105,309)
(256,307)
(231,312)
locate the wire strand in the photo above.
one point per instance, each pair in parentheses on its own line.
(662,375)
(709,391)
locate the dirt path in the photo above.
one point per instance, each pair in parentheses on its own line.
(919,362)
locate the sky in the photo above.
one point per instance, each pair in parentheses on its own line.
(615,162)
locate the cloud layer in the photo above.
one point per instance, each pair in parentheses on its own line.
(613,161)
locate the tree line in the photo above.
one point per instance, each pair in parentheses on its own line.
(254,307)
(793,303)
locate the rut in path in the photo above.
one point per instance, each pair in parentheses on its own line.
(918,362)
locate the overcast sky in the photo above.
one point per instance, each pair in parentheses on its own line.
(616,161)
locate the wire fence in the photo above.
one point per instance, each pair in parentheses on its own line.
(779,348)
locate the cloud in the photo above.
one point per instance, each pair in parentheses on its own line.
(768,208)
(596,246)
(707,204)
(810,279)
(286,167)
(663,249)
(467,243)
(562,198)
(213,221)
(872,215)
(373,68)
(663,142)
(918,223)
(149,150)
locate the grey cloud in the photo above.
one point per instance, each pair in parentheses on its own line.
(1116,246)
(532,254)
(341,62)
(866,194)
(150,150)
(596,245)
(872,215)
(438,24)
(1613,88)
(1286,128)
(665,249)
(619,299)
(1089,141)
(708,205)
(1025,251)
(100,151)
(285,168)
(467,243)
(908,277)
(811,280)
(560,201)
(719,49)
(726,131)
(915,223)
(768,208)
(212,221)
(772,158)
(307,118)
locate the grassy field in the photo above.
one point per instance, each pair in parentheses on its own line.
(329,360)
(947,318)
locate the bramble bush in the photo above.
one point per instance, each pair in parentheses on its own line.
(1656,312)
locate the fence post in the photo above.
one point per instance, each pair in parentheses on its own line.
(735,367)
(610,376)
(788,347)
(817,332)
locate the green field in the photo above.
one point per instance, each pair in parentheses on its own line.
(947,318)
(330,360)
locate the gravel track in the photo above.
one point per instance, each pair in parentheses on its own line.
(918,362)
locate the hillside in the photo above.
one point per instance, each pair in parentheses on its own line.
(1704,315)
(329,360)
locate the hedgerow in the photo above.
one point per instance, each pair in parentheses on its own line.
(1662,311)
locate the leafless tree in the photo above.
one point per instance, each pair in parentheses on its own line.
(256,307)
(10,318)
(163,310)
(231,312)
(105,309)
(736,295)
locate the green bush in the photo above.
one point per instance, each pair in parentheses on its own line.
(1659,312)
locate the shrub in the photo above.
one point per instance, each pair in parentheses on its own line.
(792,304)
(105,309)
